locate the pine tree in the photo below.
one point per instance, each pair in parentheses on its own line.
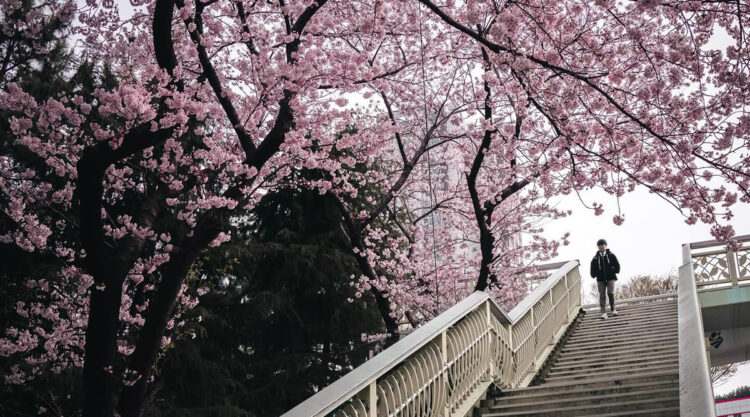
(277,323)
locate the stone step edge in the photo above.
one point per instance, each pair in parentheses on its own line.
(587,398)
(598,380)
(613,375)
(522,395)
(584,407)
(558,373)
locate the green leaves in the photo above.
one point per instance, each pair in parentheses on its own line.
(276,324)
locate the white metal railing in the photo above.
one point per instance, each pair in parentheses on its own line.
(716,266)
(444,367)
(696,390)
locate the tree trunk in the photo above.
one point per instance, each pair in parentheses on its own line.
(133,400)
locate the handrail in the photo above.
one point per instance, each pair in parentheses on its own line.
(444,367)
(696,391)
(719,267)
(541,290)
(710,243)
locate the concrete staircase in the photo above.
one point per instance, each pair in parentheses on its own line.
(626,365)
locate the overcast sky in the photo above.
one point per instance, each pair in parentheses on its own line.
(648,242)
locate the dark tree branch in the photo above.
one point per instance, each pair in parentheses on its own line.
(162,31)
(377,77)
(586,79)
(355,236)
(108,272)
(213,79)
(246,28)
(398,134)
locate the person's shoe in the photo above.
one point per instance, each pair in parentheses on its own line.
(614,312)
(604,316)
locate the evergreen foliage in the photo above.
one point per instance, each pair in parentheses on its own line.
(739,392)
(276,324)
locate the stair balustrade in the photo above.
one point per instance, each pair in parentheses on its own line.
(445,367)
(715,266)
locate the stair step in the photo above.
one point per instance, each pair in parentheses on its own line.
(631,308)
(597,321)
(621,374)
(567,364)
(592,400)
(621,338)
(640,307)
(529,395)
(574,356)
(621,330)
(606,368)
(650,312)
(634,312)
(603,324)
(642,313)
(670,400)
(600,382)
(635,342)
(653,412)
(619,333)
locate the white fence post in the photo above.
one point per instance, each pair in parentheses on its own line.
(372,399)
(493,341)
(732,265)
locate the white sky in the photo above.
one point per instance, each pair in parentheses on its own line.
(648,242)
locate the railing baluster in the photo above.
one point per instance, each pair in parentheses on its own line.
(445,379)
(372,399)
(732,265)
(492,340)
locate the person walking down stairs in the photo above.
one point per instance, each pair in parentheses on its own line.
(605,267)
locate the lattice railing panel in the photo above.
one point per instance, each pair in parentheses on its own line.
(711,267)
(503,352)
(574,300)
(416,388)
(469,346)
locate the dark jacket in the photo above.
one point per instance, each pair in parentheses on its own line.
(605,268)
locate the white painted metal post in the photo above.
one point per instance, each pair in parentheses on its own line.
(570,299)
(686,255)
(444,352)
(493,340)
(372,399)
(533,322)
(732,265)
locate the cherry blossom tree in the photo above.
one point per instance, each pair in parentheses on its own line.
(505,104)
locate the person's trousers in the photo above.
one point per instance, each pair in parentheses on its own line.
(609,287)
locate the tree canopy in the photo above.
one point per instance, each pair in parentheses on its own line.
(136,138)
